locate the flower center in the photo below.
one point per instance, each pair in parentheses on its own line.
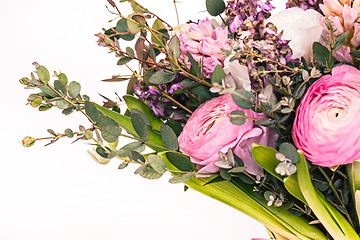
(336,113)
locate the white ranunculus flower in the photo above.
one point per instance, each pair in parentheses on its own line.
(301,27)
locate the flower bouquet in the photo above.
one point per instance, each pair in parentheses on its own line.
(253,109)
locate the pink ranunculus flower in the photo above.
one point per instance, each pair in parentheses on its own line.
(327,123)
(209,131)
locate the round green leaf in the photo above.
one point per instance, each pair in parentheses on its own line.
(169,137)
(146,171)
(157,163)
(238,117)
(162,77)
(121,27)
(60,87)
(62,104)
(69,133)
(182,178)
(36,102)
(215,7)
(63,78)
(140,126)
(74,89)
(289,151)
(110,133)
(91,111)
(180,161)
(243,99)
(43,74)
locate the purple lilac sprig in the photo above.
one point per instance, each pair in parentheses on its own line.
(305,4)
(260,46)
(240,11)
(163,107)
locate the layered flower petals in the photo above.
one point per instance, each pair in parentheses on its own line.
(327,123)
(209,131)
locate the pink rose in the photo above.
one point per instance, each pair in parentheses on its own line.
(327,123)
(209,131)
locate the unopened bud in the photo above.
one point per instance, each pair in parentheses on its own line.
(28,141)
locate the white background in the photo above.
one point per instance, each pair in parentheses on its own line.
(59,192)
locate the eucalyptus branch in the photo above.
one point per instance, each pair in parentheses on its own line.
(172,99)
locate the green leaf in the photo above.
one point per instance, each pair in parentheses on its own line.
(289,151)
(123,60)
(157,163)
(135,156)
(122,27)
(132,27)
(322,54)
(243,99)
(36,102)
(111,133)
(123,165)
(43,74)
(180,161)
(69,133)
(141,114)
(218,75)
(62,104)
(333,221)
(74,89)
(60,87)
(174,46)
(215,7)
(140,126)
(155,142)
(175,126)
(355,54)
(101,151)
(169,137)
(135,146)
(130,52)
(91,111)
(148,172)
(157,38)
(182,178)
(104,121)
(63,78)
(194,64)
(238,117)
(162,77)
(135,103)
(265,157)
(340,40)
(224,173)
(48,91)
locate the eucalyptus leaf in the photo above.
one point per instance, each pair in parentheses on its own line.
(142,115)
(174,46)
(123,165)
(182,178)
(62,104)
(157,163)
(340,40)
(122,27)
(43,74)
(194,64)
(162,77)
(140,126)
(92,111)
(169,137)
(63,78)
(289,151)
(215,7)
(60,87)
(218,75)
(69,133)
(175,126)
(243,99)
(146,171)
(110,133)
(74,89)
(123,60)
(238,117)
(180,161)
(322,55)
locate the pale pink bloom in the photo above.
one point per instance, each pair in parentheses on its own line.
(204,43)
(349,15)
(206,27)
(209,131)
(327,124)
(355,40)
